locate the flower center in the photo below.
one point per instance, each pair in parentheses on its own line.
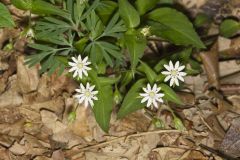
(87,94)
(80,65)
(152,94)
(174,72)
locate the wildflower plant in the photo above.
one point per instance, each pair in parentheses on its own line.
(102,44)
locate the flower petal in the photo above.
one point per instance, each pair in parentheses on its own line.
(144,99)
(177,65)
(167,67)
(167,78)
(176,81)
(171,65)
(180,68)
(166,73)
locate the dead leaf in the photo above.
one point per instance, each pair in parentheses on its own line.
(50,120)
(27,78)
(231,141)
(11,97)
(9,115)
(17,149)
(211,65)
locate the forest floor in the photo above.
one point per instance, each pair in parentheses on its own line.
(34,111)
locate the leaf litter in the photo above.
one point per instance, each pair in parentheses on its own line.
(34,111)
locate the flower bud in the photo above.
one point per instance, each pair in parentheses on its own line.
(117,96)
(145,31)
(72,116)
(178,124)
(158,123)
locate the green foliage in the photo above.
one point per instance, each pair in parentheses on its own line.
(174,26)
(229,27)
(105,9)
(144,6)
(103,106)
(132,101)
(5,17)
(170,95)
(136,45)
(22,4)
(110,34)
(129,14)
(151,75)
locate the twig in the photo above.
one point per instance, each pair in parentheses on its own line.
(79,150)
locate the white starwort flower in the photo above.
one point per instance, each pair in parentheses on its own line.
(174,73)
(152,95)
(86,95)
(79,66)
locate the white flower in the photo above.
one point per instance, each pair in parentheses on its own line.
(174,73)
(86,94)
(151,95)
(79,66)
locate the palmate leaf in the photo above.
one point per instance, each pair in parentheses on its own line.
(5,17)
(94,25)
(49,58)
(114,27)
(51,29)
(101,49)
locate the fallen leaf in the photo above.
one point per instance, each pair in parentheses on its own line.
(50,120)
(27,78)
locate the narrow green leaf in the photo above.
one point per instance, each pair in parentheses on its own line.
(170,95)
(22,4)
(5,17)
(229,28)
(103,106)
(174,26)
(144,6)
(132,101)
(151,75)
(136,46)
(129,14)
(44,8)
(108,80)
(105,10)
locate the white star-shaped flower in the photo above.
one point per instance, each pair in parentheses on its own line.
(86,94)
(174,73)
(79,66)
(152,95)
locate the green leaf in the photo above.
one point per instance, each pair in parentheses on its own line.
(114,27)
(105,10)
(229,28)
(144,6)
(108,80)
(151,75)
(174,26)
(129,14)
(170,95)
(22,4)
(201,20)
(136,45)
(5,17)
(44,8)
(132,101)
(182,56)
(103,106)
